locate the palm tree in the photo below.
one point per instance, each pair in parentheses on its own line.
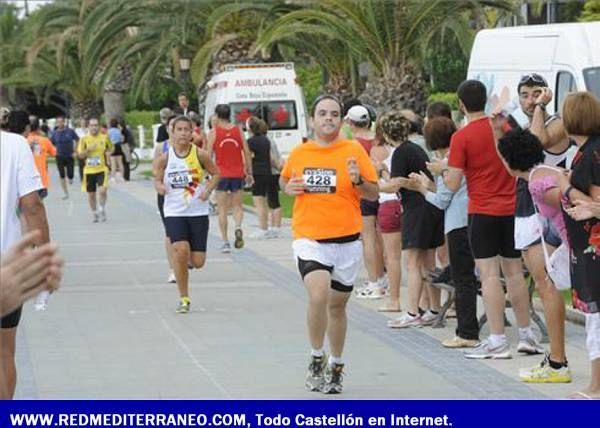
(11,50)
(389,35)
(71,43)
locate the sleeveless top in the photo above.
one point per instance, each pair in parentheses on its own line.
(183,180)
(385,197)
(228,152)
(538,188)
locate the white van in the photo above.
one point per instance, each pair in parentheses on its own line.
(565,54)
(268,91)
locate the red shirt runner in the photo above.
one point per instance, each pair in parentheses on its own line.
(228,152)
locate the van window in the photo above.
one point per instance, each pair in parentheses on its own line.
(592,80)
(565,83)
(279,115)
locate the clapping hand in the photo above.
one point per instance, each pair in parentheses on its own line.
(436,167)
(585,210)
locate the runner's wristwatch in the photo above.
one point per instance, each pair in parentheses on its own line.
(360,181)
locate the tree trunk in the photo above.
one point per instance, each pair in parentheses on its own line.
(85,109)
(114,104)
(4,99)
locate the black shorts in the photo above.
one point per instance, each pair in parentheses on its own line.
(422,227)
(307,266)
(273,192)
(118,151)
(491,236)
(190,229)
(369,208)
(11,320)
(43,193)
(227,184)
(65,166)
(261,185)
(93,181)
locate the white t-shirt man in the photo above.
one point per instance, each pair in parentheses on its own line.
(18,177)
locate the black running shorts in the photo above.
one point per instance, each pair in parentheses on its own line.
(492,236)
(190,229)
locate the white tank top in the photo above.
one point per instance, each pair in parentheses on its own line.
(385,197)
(184,182)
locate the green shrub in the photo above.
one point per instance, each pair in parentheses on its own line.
(310,79)
(140,117)
(447,97)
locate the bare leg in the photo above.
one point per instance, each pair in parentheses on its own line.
(415,281)
(338,321)
(92,201)
(103,193)
(372,253)
(260,202)
(433,292)
(554,304)
(223,202)
(517,291)
(181,256)
(169,251)
(8,369)
(392,243)
(492,293)
(317,284)
(276,217)
(238,209)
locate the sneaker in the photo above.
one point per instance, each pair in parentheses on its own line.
(273,233)
(239,239)
(316,373)
(485,351)
(530,346)
(543,373)
(184,305)
(171,279)
(334,375)
(41,301)
(443,277)
(103,216)
(459,342)
(428,318)
(226,248)
(373,291)
(96,218)
(405,321)
(65,197)
(259,234)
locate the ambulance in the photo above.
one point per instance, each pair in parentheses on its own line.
(567,55)
(268,91)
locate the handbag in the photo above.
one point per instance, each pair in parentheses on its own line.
(558,264)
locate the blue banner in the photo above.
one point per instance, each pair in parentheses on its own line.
(320,413)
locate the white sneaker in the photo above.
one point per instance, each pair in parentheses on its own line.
(530,346)
(372,291)
(259,234)
(273,233)
(41,301)
(405,321)
(171,279)
(428,318)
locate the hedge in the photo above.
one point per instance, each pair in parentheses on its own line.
(140,117)
(447,97)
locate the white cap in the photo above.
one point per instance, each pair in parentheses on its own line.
(358,114)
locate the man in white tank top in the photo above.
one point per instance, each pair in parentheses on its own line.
(180,177)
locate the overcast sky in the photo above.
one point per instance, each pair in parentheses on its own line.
(32,4)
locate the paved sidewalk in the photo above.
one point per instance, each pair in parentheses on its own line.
(111,331)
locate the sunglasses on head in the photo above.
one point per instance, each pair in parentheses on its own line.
(533,77)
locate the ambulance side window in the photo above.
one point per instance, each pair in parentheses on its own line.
(565,83)
(280,115)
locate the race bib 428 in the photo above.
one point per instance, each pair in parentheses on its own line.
(319,180)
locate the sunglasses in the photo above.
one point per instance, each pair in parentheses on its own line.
(533,77)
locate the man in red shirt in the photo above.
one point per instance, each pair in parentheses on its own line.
(234,161)
(492,197)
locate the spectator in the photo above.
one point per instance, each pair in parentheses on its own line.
(41,148)
(128,147)
(116,157)
(260,146)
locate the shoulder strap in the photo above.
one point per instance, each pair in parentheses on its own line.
(546,255)
(543,166)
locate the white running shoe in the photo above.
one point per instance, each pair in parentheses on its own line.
(171,279)
(428,318)
(530,346)
(372,291)
(259,234)
(404,321)
(485,351)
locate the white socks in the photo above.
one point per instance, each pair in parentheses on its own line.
(496,340)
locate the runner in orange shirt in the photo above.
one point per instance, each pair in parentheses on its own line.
(41,147)
(328,177)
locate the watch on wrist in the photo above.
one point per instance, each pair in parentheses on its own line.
(541,105)
(359,182)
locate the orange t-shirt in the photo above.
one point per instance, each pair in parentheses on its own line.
(330,205)
(41,147)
